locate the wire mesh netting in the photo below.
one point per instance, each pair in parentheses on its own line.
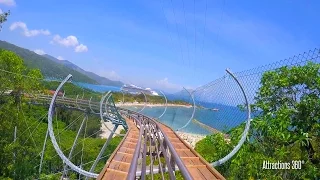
(221,104)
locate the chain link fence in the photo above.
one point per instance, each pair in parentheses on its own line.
(220,102)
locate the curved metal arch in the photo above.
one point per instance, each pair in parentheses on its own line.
(91,107)
(77,103)
(145,102)
(53,138)
(246,130)
(165,109)
(193,111)
(106,104)
(122,97)
(101,114)
(106,107)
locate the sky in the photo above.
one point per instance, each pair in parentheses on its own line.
(164,44)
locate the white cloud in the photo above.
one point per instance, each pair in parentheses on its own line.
(1,11)
(164,83)
(39,51)
(8,2)
(67,42)
(60,58)
(81,48)
(26,31)
(70,41)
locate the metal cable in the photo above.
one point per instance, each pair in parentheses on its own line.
(195,33)
(185,23)
(174,14)
(204,29)
(25,121)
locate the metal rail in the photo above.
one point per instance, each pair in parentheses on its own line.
(165,146)
(134,162)
(150,130)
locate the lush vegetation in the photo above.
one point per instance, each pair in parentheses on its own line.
(71,90)
(286,129)
(20,159)
(48,67)
(158,176)
(130,98)
(3,18)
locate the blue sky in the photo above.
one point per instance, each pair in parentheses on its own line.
(164,44)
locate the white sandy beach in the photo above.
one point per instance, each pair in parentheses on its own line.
(105,132)
(191,138)
(152,105)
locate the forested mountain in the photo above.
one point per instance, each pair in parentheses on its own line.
(48,67)
(99,79)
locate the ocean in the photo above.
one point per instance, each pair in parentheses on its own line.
(224,119)
(99,88)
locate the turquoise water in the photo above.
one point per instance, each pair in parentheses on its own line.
(227,117)
(99,88)
(223,120)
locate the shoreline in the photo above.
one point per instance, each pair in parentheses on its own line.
(153,105)
(209,128)
(191,138)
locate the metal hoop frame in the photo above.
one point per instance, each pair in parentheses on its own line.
(77,103)
(91,107)
(193,111)
(53,138)
(101,114)
(145,100)
(246,130)
(165,109)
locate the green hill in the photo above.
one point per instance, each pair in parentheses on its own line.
(99,79)
(49,68)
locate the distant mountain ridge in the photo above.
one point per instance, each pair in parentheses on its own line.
(101,80)
(51,67)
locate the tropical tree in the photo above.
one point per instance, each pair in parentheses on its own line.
(3,18)
(286,129)
(20,158)
(15,76)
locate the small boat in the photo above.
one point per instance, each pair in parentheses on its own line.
(215,109)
